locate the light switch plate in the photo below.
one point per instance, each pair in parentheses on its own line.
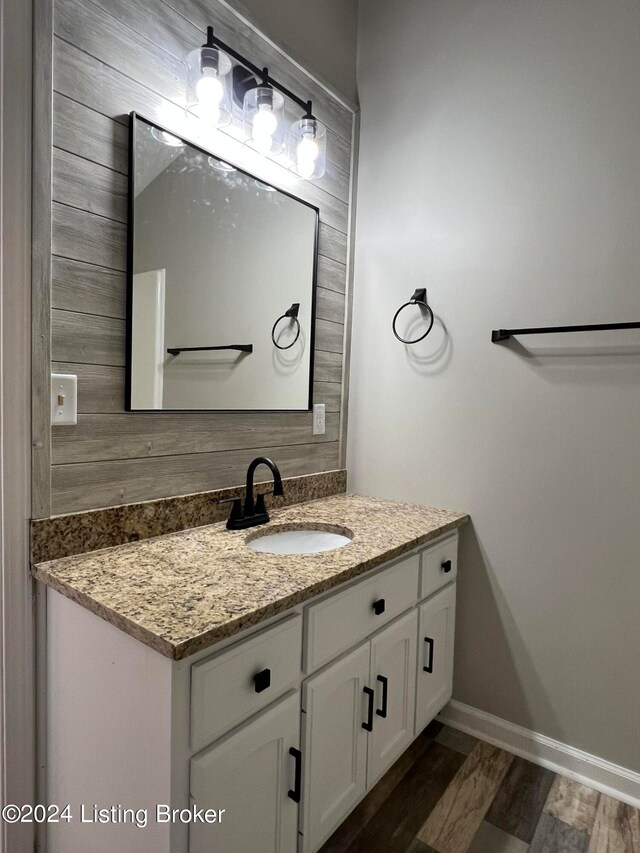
(318,419)
(64,398)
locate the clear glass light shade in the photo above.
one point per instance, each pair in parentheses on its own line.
(166,138)
(308,148)
(221,165)
(208,86)
(263,117)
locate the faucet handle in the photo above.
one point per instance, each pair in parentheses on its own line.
(260,504)
(236,508)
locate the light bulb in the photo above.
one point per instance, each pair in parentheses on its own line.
(264,126)
(209,89)
(209,92)
(306,156)
(264,121)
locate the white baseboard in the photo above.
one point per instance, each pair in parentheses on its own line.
(611,779)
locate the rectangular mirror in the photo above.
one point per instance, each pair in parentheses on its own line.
(222,270)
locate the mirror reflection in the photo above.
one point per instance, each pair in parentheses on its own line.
(221,283)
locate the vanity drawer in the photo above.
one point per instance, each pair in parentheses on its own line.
(438,565)
(247,676)
(344,619)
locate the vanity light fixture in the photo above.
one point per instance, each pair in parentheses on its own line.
(308,146)
(262,102)
(263,117)
(208,90)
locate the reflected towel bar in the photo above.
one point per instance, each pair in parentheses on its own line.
(239,347)
(292,314)
(498,335)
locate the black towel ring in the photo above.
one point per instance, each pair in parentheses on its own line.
(292,314)
(418,298)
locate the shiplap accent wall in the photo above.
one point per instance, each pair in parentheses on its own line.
(110,57)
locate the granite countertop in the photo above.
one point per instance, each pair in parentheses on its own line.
(185,591)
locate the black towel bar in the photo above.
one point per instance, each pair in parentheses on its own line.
(498,335)
(239,347)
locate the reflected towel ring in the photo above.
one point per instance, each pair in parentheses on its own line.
(418,298)
(292,314)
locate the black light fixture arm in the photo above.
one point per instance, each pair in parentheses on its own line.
(261,73)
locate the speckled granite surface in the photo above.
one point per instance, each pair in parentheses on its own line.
(77,533)
(184,592)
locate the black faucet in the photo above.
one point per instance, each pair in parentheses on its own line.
(254,511)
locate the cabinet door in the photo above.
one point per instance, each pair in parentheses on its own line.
(393,676)
(249,774)
(334,745)
(435,655)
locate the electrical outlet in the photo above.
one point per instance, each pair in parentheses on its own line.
(318,419)
(64,398)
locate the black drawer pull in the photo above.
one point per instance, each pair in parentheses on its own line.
(368,725)
(379,606)
(382,712)
(262,680)
(429,666)
(294,793)
(446,566)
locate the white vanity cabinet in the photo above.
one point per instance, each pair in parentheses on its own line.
(345,617)
(335,745)
(253,773)
(393,677)
(285,726)
(435,658)
(229,687)
(358,718)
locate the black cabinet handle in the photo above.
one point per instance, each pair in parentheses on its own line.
(262,680)
(368,725)
(294,793)
(379,606)
(429,666)
(382,712)
(446,566)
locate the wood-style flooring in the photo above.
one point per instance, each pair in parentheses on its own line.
(451,793)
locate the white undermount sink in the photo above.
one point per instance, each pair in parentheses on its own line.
(299,541)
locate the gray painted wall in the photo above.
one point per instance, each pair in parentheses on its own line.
(321,35)
(507,180)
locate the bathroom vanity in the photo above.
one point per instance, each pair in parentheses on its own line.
(274,690)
